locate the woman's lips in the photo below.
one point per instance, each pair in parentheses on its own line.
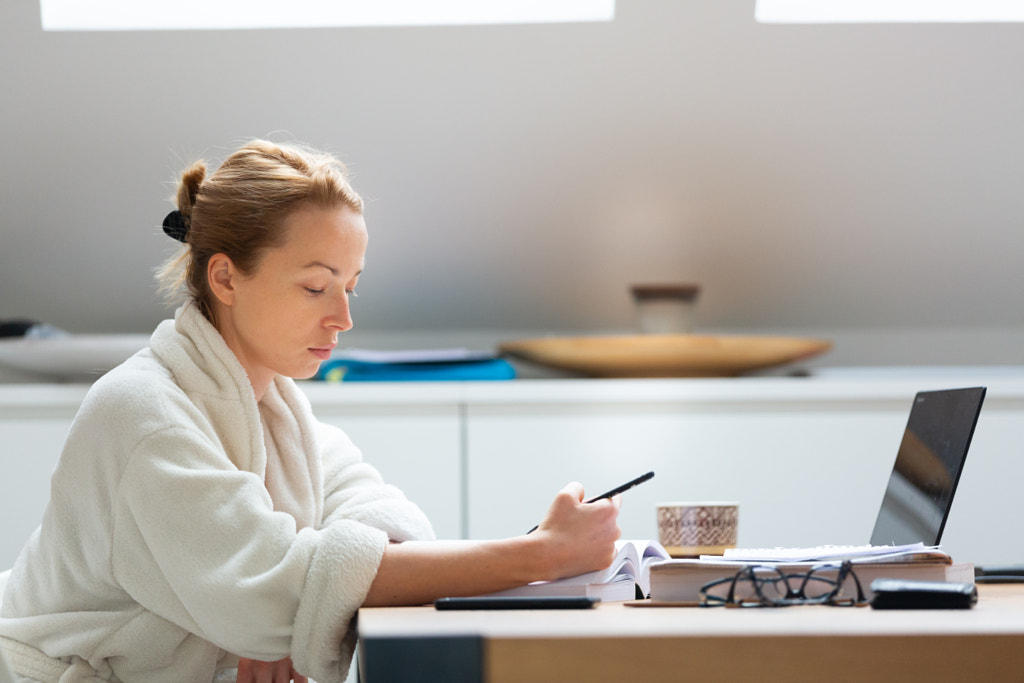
(322,353)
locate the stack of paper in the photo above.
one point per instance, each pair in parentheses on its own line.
(830,552)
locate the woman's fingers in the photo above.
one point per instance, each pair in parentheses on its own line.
(574,489)
(281,671)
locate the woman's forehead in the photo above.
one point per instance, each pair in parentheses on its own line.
(331,240)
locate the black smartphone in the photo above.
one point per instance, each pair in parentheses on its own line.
(515,602)
(908,594)
(1005,573)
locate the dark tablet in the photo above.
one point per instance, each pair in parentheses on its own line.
(515,602)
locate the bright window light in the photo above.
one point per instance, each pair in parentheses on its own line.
(141,15)
(887,11)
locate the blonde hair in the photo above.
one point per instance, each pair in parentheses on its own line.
(241,208)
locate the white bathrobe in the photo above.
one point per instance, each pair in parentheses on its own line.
(189,525)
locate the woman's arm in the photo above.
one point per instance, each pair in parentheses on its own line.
(574,538)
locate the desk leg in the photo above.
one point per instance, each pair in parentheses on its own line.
(453,659)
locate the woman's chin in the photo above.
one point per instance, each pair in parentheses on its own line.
(302,370)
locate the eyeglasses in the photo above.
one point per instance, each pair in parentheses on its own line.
(767,586)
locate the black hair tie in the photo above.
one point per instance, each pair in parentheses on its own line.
(176,226)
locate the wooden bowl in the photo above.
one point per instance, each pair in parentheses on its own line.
(664,355)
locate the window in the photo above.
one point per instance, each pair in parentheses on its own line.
(896,11)
(134,15)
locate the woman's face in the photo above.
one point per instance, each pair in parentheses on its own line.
(285,318)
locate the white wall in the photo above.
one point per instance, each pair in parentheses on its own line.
(838,180)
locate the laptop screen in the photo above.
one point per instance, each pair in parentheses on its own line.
(928,466)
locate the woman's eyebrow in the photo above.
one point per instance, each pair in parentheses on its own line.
(320,264)
(334,271)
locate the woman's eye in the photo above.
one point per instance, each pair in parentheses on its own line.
(314,292)
(352,293)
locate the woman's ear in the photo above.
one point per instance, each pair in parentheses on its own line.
(221,275)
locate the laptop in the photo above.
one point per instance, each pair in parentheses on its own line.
(920,491)
(928,466)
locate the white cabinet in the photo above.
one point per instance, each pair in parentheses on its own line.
(34,421)
(806,459)
(805,476)
(30,451)
(416,448)
(986,522)
(412,433)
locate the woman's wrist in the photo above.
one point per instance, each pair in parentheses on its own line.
(538,556)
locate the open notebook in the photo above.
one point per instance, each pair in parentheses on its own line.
(627,577)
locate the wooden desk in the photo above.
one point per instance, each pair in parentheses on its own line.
(618,643)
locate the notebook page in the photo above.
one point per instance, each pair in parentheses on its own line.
(823,552)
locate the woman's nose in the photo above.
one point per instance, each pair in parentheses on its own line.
(341,315)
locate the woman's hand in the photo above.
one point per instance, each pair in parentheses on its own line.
(580,537)
(574,538)
(281,671)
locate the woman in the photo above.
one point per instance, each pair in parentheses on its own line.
(201,519)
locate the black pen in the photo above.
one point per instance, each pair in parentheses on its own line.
(614,492)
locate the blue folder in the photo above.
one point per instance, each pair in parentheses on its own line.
(346,370)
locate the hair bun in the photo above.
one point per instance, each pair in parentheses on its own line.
(176,225)
(191,180)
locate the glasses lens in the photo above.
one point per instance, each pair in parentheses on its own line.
(746,588)
(819,586)
(834,584)
(770,585)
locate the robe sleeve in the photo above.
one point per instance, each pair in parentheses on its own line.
(197,542)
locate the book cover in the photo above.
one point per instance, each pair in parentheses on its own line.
(681,580)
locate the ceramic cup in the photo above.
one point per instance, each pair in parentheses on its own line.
(690,529)
(665,308)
